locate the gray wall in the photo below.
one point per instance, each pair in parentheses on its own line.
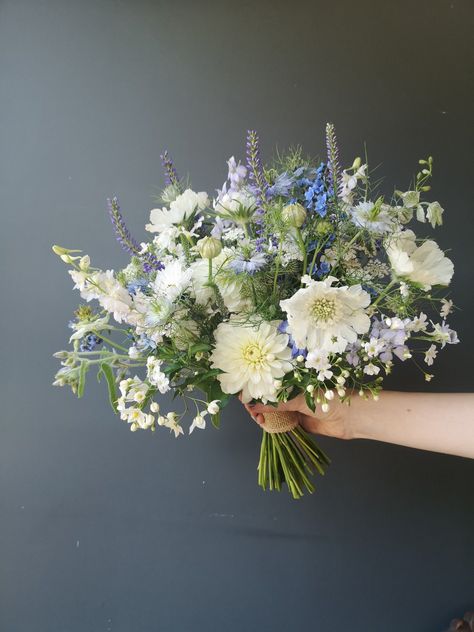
(102,529)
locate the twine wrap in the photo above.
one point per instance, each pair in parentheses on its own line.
(280,422)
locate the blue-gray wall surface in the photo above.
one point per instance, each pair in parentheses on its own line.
(105,530)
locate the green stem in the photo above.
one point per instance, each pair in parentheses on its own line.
(299,239)
(110,342)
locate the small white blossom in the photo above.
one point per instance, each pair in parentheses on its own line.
(446,307)
(430,355)
(213,407)
(371,369)
(198,422)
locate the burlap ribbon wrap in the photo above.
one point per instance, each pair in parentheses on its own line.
(280,422)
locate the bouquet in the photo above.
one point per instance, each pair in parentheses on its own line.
(299,276)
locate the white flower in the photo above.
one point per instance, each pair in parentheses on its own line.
(83,327)
(411,201)
(404,290)
(319,360)
(371,369)
(374,347)
(372,217)
(198,422)
(236,205)
(327,318)
(155,375)
(171,421)
(430,355)
(434,214)
(229,288)
(444,334)
(425,264)
(180,209)
(446,308)
(171,282)
(419,323)
(349,182)
(213,407)
(252,357)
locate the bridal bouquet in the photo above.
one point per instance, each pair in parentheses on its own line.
(297,277)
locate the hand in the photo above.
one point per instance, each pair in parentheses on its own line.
(334,423)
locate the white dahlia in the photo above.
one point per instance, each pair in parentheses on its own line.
(425,264)
(253,357)
(326,318)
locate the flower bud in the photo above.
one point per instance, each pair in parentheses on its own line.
(59,250)
(294,215)
(310,388)
(323,228)
(329,395)
(209,247)
(325,408)
(213,407)
(357,163)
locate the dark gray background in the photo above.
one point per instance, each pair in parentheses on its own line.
(102,529)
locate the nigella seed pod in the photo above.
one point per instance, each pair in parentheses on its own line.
(209,247)
(294,215)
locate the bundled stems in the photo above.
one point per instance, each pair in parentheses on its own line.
(290,457)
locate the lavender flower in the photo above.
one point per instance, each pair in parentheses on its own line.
(150,262)
(170,171)
(259,183)
(333,156)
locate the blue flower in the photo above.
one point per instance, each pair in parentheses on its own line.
(247,264)
(295,351)
(138,284)
(284,182)
(89,342)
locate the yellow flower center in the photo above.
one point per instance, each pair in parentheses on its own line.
(323,309)
(253,354)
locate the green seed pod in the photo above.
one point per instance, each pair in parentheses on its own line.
(294,215)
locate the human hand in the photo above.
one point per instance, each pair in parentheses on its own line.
(334,423)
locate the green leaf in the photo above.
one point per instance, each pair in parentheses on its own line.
(309,399)
(198,347)
(110,379)
(84,367)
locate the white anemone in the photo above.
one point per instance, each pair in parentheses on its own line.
(326,318)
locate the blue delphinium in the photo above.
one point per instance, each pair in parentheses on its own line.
(316,192)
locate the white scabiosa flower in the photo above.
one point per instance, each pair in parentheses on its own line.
(326,318)
(252,357)
(180,210)
(425,264)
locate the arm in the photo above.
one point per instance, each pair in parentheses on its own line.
(440,422)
